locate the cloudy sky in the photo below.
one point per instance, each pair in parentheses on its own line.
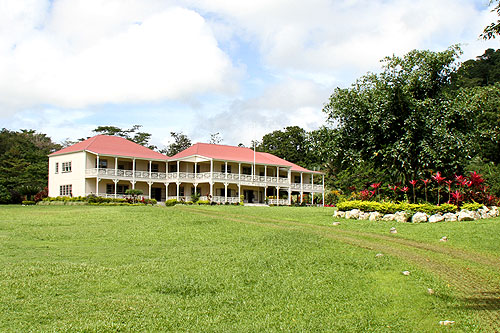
(240,68)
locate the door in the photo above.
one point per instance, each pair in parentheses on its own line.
(156,193)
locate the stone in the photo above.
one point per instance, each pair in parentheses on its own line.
(494,211)
(389,217)
(446,322)
(336,223)
(401,217)
(465,215)
(436,218)
(378,255)
(450,217)
(419,217)
(430,291)
(352,214)
(375,216)
(363,216)
(393,231)
(339,213)
(405,273)
(444,239)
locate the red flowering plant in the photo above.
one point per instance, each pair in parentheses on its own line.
(375,187)
(413,183)
(366,195)
(439,179)
(457,197)
(405,189)
(426,182)
(449,182)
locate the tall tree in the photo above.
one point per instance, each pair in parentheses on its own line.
(181,142)
(133,134)
(399,120)
(215,138)
(483,71)
(23,162)
(289,143)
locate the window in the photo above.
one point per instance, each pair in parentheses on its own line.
(197,169)
(110,189)
(57,167)
(66,167)
(246,170)
(121,167)
(223,168)
(122,189)
(172,168)
(103,164)
(65,190)
(297,179)
(181,191)
(154,167)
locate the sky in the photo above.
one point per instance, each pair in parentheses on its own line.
(239,68)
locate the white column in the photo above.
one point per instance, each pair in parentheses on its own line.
(253,172)
(277,196)
(225,163)
(323,190)
(211,190)
(178,189)
(278,174)
(225,192)
(265,173)
(97,186)
(116,166)
(97,163)
(301,188)
(150,183)
(166,171)
(239,192)
(150,170)
(289,196)
(133,173)
(239,171)
(116,182)
(166,191)
(195,169)
(178,171)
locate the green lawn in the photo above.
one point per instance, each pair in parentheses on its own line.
(240,269)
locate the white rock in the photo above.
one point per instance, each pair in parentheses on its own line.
(430,291)
(436,218)
(465,215)
(375,216)
(352,214)
(494,211)
(339,213)
(419,217)
(389,217)
(444,239)
(363,216)
(401,216)
(393,231)
(446,322)
(336,223)
(450,217)
(378,255)
(405,273)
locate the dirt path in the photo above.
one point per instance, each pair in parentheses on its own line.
(465,271)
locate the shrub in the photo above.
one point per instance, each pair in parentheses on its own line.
(171,202)
(189,202)
(472,206)
(203,202)
(391,207)
(195,197)
(28,202)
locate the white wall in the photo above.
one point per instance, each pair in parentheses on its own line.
(76,177)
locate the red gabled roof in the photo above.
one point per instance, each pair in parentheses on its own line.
(112,145)
(239,154)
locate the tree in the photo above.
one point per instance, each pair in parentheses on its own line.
(181,142)
(494,28)
(215,138)
(23,163)
(483,71)
(133,134)
(400,120)
(289,143)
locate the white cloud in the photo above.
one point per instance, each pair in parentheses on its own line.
(80,53)
(291,102)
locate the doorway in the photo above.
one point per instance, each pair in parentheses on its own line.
(156,193)
(248,196)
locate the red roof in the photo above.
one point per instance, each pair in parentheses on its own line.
(239,154)
(112,145)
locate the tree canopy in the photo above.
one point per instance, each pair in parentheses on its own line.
(133,134)
(493,29)
(181,142)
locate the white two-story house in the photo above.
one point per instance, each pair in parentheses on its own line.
(109,165)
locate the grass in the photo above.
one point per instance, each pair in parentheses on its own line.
(245,269)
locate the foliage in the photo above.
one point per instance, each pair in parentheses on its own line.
(133,193)
(41,195)
(28,202)
(23,163)
(400,120)
(171,202)
(289,143)
(391,207)
(195,197)
(204,202)
(482,71)
(132,134)
(493,29)
(472,206)
(181,142)
(215,138)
